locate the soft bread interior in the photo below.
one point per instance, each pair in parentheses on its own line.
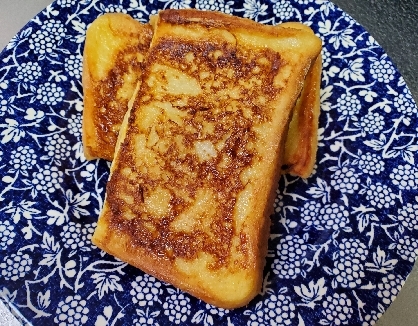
(200,151)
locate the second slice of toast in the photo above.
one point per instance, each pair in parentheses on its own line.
(199,153)
(115,48)
(99,138)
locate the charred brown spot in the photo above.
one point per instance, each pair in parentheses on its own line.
(113,109)
(233,82)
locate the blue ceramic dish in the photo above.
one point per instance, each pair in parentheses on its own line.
(342,242)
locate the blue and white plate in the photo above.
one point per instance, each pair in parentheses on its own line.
(342,242)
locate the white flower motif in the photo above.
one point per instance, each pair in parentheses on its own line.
(348,104)
(220,5)
(389,288)
(5,106)
(50,93)
(405,176)
(15,266)
(309,214)
(348,272)
(345,179)
(368,95)
(326,57)
(278,203)
(177,307)
(324,27)
(405,105)
(115,8)
(176,4)
(382,70)
(343,38)
(23,159)
(74,125)
(380,195)
(274,310)
(334,216)
(371,163)
(408,216)
(73,65)
(337,310)
(58,146)
(28,72)
(77,236)
(7,234)
(66,3)
(290,252)
(217,311)
(72,311)
(325,6)
(283,9)
(46,39)
(146,290)
(372,318)
(354,71)
(407,248)
(47,179)
(372,123)
(253,9)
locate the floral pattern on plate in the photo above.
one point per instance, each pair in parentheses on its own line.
(342,241)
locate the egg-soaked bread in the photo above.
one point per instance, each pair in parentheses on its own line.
(104,110)
(115,48)
(199,153)
(302,138)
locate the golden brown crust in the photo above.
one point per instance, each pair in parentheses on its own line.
(192,182)
(300,150)
(302,140)
(114,50)
(89,135)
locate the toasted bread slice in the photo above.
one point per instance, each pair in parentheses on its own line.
(302,138)
(199,153)
(301,144)
(115,47)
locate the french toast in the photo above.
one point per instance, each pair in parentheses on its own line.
(115,47)
(300,149)
(199,152)
(302,138)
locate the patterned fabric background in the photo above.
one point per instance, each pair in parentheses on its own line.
(342,242)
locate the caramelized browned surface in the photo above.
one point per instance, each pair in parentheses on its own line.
(115,48)
(197,161)
(109,108)
(217,119)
